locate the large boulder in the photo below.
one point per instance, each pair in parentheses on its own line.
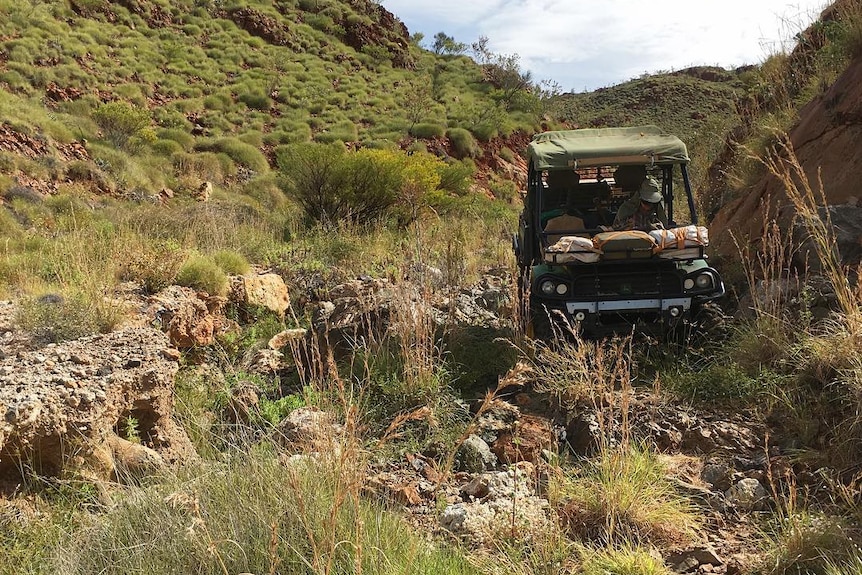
(66,404)
(266,290)
(190,318)
(846,220)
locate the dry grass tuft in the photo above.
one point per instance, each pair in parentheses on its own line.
(625,496)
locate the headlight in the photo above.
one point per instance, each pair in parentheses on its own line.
(688,283)
(548,287)
(562,289)
(703,281)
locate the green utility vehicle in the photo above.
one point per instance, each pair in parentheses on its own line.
(582,267)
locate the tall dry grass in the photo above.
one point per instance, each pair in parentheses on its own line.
(808,196)
(252,514)
(622,494)
(821,362)
(597,373)
(832,352)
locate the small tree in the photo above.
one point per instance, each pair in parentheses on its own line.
(315,176)
(418,101)
(504,73)
(374,177)
(120,121)
(421,177)
(331,184)
(446,45)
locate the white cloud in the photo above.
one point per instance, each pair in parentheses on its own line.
(585,44)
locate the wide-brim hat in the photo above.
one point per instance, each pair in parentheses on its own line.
(649,191)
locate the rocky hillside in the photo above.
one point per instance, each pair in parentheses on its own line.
(809,117)
(698,104)
(824,141)
(159,94)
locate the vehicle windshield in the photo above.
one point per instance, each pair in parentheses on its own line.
(590,197)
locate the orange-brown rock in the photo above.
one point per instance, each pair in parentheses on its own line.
(65,407)
(526,442)
(266,290)
(825,141)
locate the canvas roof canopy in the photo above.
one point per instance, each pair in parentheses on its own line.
(605,146)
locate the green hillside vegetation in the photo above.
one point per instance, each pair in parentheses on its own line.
(207,90)
(111,102)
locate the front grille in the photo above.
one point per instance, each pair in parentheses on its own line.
(634,285)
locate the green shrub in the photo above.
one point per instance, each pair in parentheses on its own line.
(166,147)
(416,146)
(457,176)
(80,170)
(463,143)
(478,354)
(7,162)
(6,183)
(231,262)
(56,317)
(505,190)
(342,132)
(427,131)
(238,151)
(227,166)
(181,137)
(626,560)
(203,273)
(623,497)
(253,138)
(255,100)
(485,132)
(132,93)
(332,185)
(121,121)
(171,119)
(14,80)
(154,265)
(314,177)
(275,410)
(810,543)
(220,101)
(724,381)
(203,166)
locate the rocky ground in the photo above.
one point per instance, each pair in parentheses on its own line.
(66,408)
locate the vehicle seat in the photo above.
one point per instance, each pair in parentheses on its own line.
(562,179)
(568,225)
(630,178)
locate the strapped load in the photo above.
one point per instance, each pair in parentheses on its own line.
(625,244)
(570,249)
(681,243)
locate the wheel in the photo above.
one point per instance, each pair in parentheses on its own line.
(540,325)
(523,301)
(709,324)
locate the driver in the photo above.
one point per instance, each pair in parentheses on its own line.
(644,210)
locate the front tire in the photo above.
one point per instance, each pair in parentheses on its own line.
(709,324)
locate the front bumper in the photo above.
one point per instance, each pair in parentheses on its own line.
(672,306)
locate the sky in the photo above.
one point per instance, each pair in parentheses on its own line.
(583,45)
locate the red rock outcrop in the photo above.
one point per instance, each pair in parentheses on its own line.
(826,141)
